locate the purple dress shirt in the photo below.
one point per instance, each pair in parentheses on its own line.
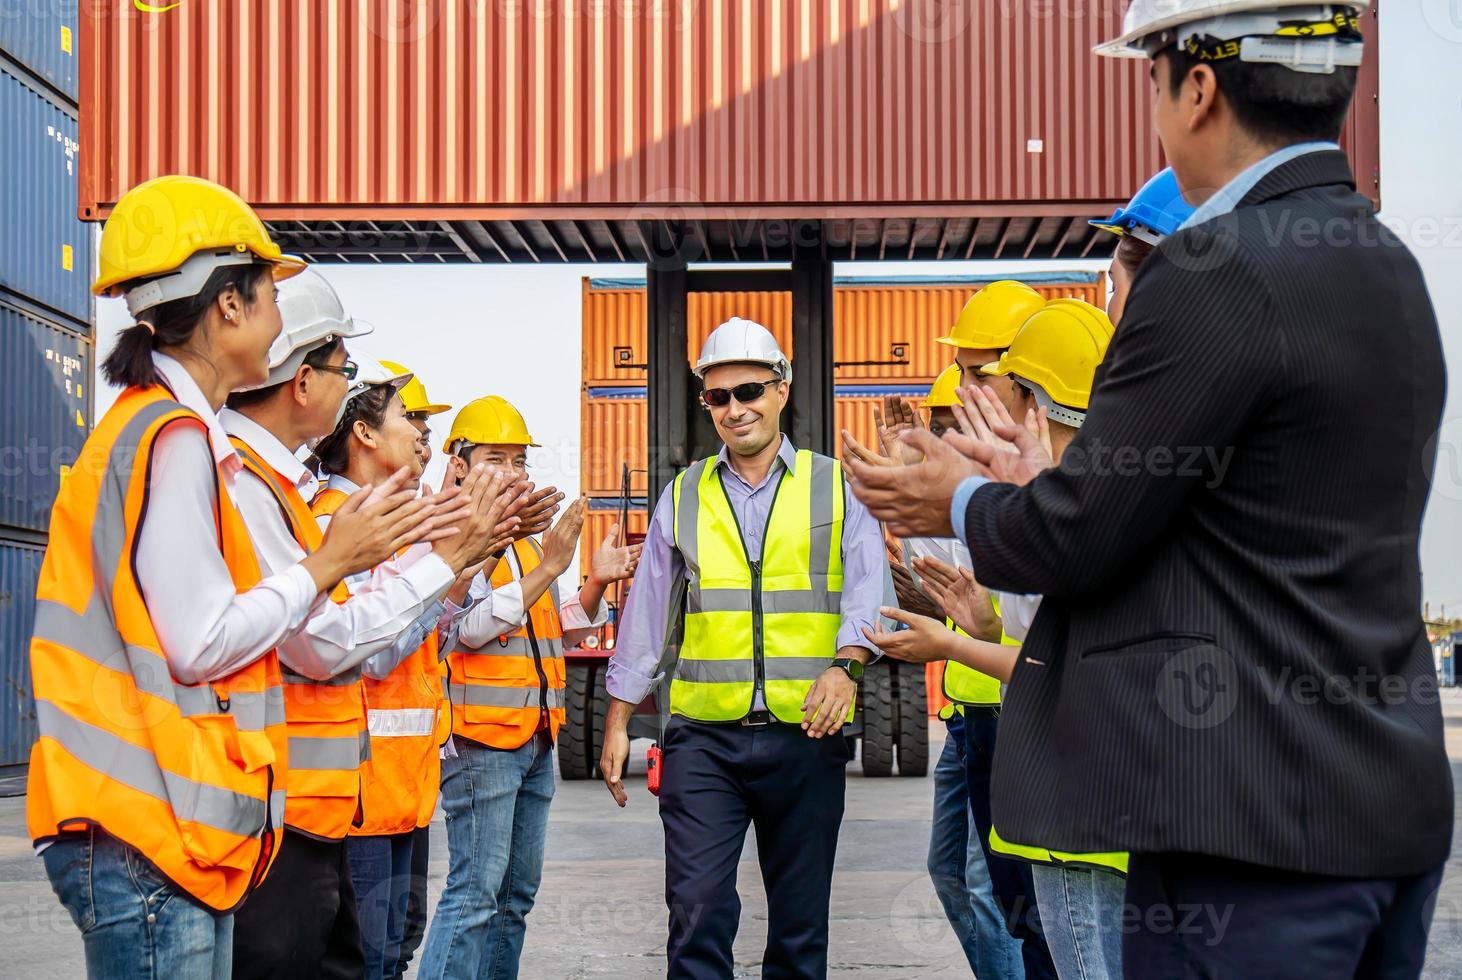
(645,620)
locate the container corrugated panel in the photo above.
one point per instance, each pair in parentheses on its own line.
(46,378)
(613,435)
(879,323)
(369,107)
(45,251)
(20,568)
(41,35)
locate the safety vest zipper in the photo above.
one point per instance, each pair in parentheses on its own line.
(758,646)
(543,719)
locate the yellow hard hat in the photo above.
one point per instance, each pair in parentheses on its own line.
(413,393)
(1057,351)
(174,231)
(489,421)
(992,316)
(942,393)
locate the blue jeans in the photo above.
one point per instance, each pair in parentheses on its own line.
(133,922)
(1081,911)
(958,871)
(380,868)
(496,802)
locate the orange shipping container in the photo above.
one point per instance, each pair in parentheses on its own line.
(885,329)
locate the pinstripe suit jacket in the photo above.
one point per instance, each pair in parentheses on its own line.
(1230,659)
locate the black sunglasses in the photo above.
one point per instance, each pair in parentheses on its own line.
(348,370)
(747,391)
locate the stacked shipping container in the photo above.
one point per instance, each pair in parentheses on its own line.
(46,357)
(884,345)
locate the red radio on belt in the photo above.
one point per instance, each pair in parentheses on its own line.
(652,768)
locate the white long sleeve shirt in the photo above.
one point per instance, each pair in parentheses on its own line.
(207,628)
(499,611)
(378,626)
(1017,610)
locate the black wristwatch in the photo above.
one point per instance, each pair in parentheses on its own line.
(854,668)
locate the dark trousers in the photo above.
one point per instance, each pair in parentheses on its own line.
(415,930)
(1193,916)
(1010,880)
(718,781)
(301,922)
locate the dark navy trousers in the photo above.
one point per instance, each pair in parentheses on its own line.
(719,780)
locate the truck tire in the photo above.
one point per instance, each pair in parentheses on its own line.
(879,719)
(913,724)
(575,739)
(598,711)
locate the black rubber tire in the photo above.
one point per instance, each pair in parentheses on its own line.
(879,720)
(576,735)
(598,711)
(913,723)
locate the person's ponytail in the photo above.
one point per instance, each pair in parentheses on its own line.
(130,362)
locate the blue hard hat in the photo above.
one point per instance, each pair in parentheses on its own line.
(1154,213)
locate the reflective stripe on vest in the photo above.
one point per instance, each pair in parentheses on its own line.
(327,720)
(964,685)
(780,616)
(501,691)
(192,776)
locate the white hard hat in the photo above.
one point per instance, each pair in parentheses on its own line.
(312,315)
(739,341)
(1299,34)
(370,373)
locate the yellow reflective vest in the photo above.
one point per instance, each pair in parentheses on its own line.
(771,623)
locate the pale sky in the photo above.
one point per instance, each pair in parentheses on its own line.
(515,330)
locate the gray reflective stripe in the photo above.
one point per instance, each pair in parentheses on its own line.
(398,722)
(479,695)
(740,671)
(93,636)
(339,680)
(796,668)
(137,768)
(823,487)
(687,515)
(739,600)
(109,527)
(363,749)
(520,646)
(277,800)
(308,752)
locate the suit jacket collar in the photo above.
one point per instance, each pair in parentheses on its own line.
(1316,169)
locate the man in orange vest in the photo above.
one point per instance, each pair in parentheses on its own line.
(303,921)
(506,683)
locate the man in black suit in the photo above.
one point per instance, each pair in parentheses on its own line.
(1229,676)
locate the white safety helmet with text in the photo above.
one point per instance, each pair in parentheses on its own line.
(741,341)
(1299,34)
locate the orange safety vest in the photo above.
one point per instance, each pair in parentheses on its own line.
(328,740)
(191,775)
(409,719)
(501,692)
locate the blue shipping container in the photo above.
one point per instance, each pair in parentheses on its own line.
(20,567)
(45,251)
(45,380)
(41,35)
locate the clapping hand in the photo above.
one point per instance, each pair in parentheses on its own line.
(964,600)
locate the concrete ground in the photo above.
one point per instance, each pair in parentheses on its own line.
(601,909)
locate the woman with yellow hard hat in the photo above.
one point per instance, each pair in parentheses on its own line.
(1052,363)
(157,786)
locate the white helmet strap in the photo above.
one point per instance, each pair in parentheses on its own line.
(186,280)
